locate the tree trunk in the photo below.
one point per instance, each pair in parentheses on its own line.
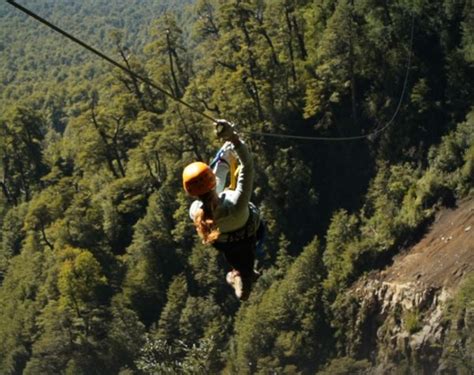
(253,88)
(352,73)
(108,156)
(6,193)
(290,44)
(177,91)
(300,39)
(116,148)
(136,87)
(43,234)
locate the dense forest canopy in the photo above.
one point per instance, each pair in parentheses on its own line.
(100,268)
(34,58)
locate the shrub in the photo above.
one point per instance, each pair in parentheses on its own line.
(412,322)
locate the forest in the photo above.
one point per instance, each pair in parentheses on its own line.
(101,270)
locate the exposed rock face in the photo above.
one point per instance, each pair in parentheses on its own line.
(402,318)
(400,322)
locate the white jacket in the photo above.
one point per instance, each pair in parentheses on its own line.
(232,211)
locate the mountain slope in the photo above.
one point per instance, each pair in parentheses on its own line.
(444,256)
(415,315)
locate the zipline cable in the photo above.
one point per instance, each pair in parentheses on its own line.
(352,138)
(108,59)
(205,115)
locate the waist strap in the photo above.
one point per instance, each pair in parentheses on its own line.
(248,230)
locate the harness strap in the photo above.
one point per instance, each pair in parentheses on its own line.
(248,230)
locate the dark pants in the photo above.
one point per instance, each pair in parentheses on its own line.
(239,254)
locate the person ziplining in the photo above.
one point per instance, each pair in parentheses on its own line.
(225,218)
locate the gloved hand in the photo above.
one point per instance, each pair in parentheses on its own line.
(225,130)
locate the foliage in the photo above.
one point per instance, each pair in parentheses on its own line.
(13,234)
(100,268)
(159,356)
(412,322)
(458,351)
(21,134)
(283,330)
(400,200)
(346,366)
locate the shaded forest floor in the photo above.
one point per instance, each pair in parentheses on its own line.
(444,255)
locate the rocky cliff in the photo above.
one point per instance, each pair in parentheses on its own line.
(417,315)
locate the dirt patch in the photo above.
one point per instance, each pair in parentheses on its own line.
(444,256)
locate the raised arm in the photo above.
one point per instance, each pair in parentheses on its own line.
(246,174)
(245,178)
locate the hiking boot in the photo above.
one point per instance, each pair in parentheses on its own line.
(234,279)
(242,285)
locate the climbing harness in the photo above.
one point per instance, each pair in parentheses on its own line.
(205,115)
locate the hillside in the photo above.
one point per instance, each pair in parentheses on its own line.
(404,317)
(445,255)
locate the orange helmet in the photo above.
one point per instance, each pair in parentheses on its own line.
(198,179)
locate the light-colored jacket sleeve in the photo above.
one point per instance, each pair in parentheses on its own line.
(245,178)
(195,206)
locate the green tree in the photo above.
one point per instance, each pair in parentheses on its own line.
(20,305)
(457,353)
(21,160)
(346,366)
(125,336)
(168,326)
(13,234)
(170,66)
(152,258)
(72,325)
(207,270)
(47,207)
(81,285)
(284,332)
(341,234)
